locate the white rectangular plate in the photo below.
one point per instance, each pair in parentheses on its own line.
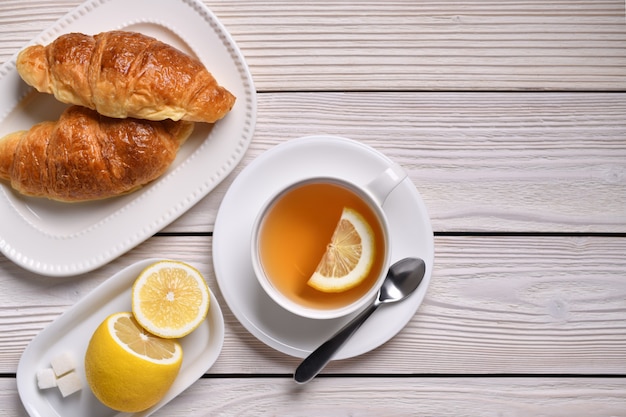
(61,239)
(71,332)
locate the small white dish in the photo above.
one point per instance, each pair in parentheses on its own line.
(60,239)
(410,231)
(71,332)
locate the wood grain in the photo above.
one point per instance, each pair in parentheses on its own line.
(402,45)
(483,162)
(512,305)
(370,397)
(408,45)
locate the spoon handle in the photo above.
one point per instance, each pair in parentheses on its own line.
(317,360)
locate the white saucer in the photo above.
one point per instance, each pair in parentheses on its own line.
(411,235)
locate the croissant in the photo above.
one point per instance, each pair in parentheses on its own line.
(85,156)
(125,74)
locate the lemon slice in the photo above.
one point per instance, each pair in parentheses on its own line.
(127,368)
(349,256)
(170,299)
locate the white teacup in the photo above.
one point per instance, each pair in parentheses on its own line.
(284,251)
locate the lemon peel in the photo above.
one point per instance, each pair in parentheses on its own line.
(128,369)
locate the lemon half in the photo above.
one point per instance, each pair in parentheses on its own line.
(349,256)
(128,369)
(170,299)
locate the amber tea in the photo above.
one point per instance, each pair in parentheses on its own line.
(294,234)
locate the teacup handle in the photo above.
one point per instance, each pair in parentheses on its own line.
(381,186)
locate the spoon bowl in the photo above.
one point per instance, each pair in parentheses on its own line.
(402,279)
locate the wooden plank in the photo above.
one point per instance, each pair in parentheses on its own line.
(403,45)
(10,400)
(496,305)
(483,162)
(431,45)
(458,397)
(531,162)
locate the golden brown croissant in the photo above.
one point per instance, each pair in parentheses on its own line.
(125,74)
(85,156)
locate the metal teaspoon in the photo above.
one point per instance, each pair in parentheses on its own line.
(402,279)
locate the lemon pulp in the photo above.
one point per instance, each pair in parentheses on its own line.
(170,299)
(349,256)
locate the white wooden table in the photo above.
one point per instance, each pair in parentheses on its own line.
(510,118)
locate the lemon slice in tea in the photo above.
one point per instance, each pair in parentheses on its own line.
(170,299)
(127,368)
(349,256)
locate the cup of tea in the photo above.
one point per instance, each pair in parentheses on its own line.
(293,234)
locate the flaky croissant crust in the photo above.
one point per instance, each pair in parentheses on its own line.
(85,156)
(125,74)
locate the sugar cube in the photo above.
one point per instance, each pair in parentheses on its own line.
(69,384)
(63,364)
(46,378)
